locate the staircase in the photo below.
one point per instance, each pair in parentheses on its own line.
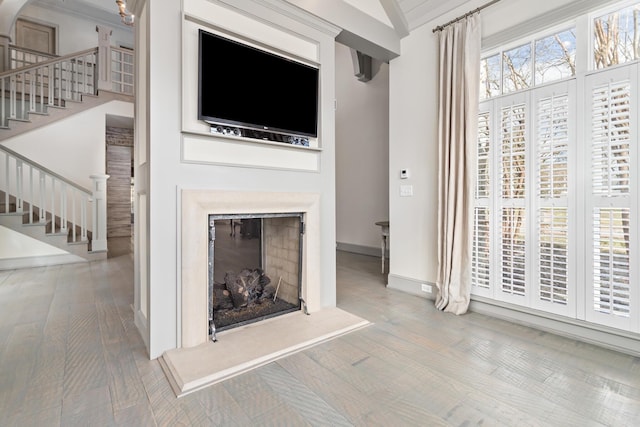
(41,93)
(34,200)
(39,203)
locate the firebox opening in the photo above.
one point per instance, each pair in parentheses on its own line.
(254,268)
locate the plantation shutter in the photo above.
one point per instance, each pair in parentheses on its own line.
(512,210)
(612,297)
(554,117)
(480,263)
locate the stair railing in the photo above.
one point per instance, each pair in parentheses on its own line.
(44,196)
(47,84)
(22,57)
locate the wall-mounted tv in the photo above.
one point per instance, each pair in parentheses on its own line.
(239,85)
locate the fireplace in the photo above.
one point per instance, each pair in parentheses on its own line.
(197,361)
(255,265)
(197,207)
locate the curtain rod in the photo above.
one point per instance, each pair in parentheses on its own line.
(459,18)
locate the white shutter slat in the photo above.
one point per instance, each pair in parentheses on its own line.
(513,151)
(552,182)
(553,254)
(513,251)
(480,263)
(481,259)
(610,224)
(552,146)
(611,138)
(512,219)
(611,261)
(484,143)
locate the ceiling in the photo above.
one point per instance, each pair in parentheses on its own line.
(373,27)
(397,14)
(414,13)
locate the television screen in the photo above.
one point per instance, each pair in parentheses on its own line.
(243,86)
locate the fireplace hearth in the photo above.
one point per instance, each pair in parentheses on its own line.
(255,263)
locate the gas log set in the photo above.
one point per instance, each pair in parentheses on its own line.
(244,296)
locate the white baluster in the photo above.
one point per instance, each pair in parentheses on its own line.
(51,81)
(22,96)
(42,198)
(7,183)
(32,91)
(59,82)
(19,195)
(63,206)
(12,97)
(69,77)
(53,205)
(41,74)
(31,195)
(83,218)
(2,103)
(73,215)
(99,213)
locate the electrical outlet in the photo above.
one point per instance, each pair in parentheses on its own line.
(426,288)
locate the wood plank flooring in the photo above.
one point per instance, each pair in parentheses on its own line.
(70,355)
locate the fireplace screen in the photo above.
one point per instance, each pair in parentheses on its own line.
(254,268)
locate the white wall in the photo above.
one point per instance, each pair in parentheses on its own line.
(75,32)
(413,138)
(168,175)
(73,147)
(362,154)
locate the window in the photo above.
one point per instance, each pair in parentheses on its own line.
(616,37)
(516,68)
(556,216)
(536,62)
(555,57)
(490,77)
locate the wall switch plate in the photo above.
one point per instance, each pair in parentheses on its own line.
(406,190)
(426,288)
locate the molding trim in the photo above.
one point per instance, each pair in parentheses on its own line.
(284,9)
(39,261)
(411,286)
(360,249)
(610,338)
(143,329)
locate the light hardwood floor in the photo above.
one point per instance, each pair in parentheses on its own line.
(70,355)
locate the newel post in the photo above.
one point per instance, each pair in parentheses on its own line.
(99,212)
(104,57)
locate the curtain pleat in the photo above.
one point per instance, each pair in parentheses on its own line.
(459,75)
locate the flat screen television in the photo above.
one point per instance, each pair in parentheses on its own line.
(242,86)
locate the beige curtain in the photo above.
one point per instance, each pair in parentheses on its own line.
(457,134)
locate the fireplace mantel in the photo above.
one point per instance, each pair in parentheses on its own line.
(196,207)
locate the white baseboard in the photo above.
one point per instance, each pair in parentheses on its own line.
(411,286)
(141,323)
(614,339)
(39,261)
(360,249)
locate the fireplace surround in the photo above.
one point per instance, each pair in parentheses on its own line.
(197,205)
(198,362)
